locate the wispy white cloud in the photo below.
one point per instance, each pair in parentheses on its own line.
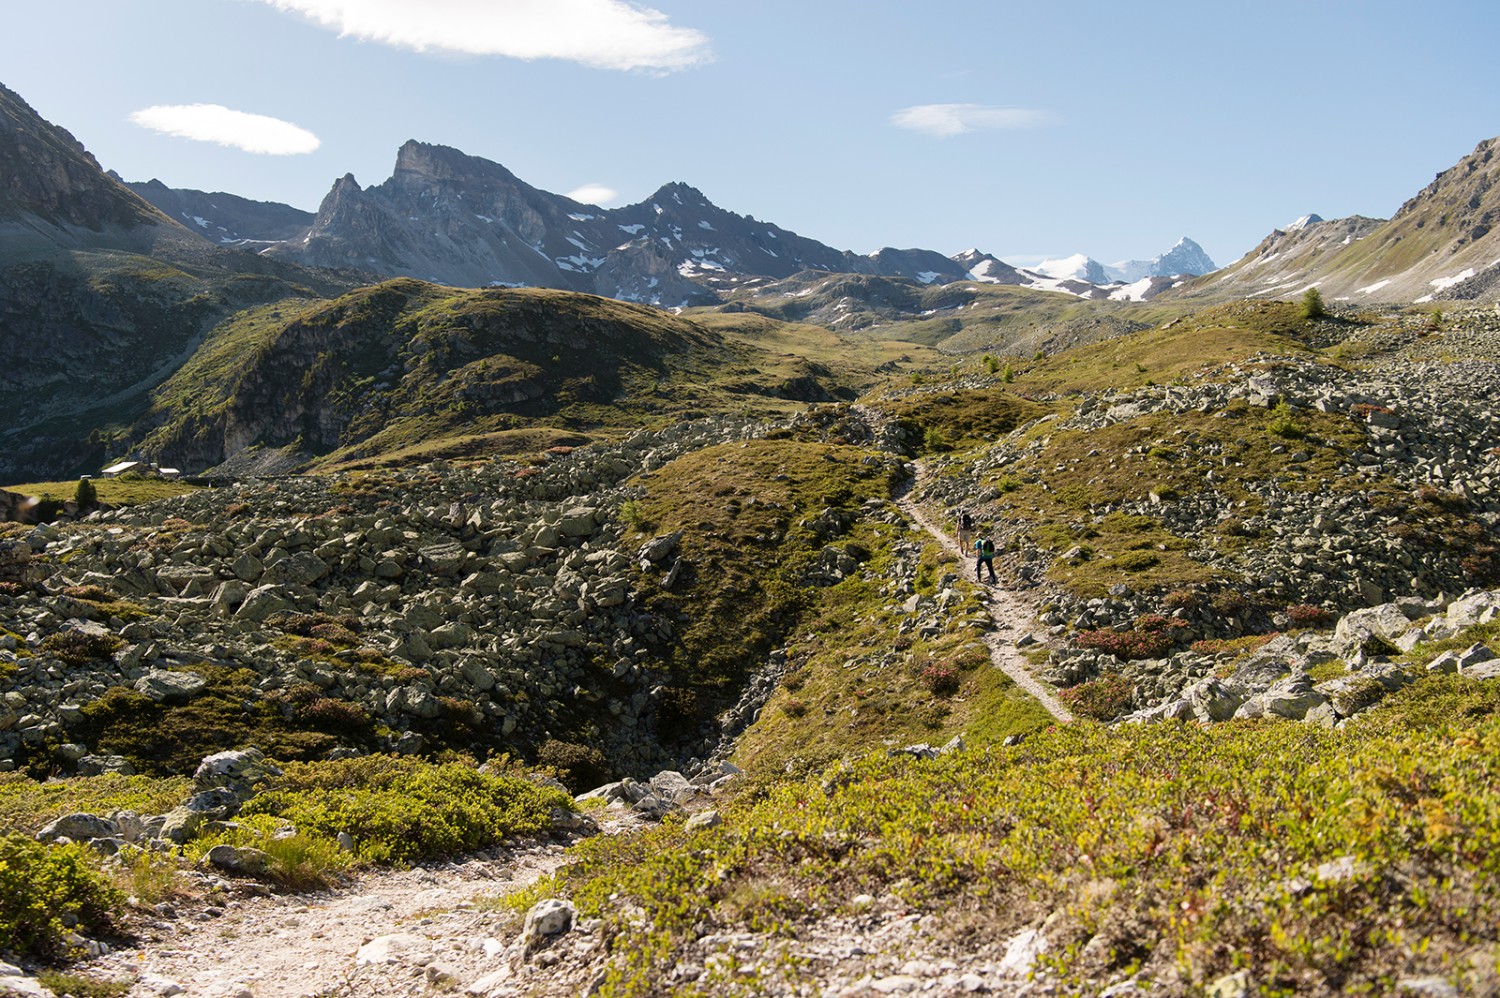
(255,133)
(605,34)
(594,194)
(946,120)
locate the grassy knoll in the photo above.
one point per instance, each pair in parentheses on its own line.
(127,490)
(855,677)
(405,370)
(1323,862)
(746,513)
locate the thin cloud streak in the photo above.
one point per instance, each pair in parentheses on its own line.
(947,120)
(596,194)
(255,133)
(604,34)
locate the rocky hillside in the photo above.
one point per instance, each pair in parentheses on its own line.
(54,186)
(101,298)
(225,218)
(1002,317)
(1440,246)
(1264,473)
(456,219)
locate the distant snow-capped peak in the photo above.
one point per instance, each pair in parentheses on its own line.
(1304,222)
(1185,257)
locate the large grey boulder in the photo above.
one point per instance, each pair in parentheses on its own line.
(1291,698)
(261,602)
(242,860)
(547,918)
(446,558)
(1214,700)
(170,687)
(659,549)
(234,770)
(79,827)
(1373,631)
(302,568)
(1477,607)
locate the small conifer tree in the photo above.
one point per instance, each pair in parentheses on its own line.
(1312,304)
(86,496)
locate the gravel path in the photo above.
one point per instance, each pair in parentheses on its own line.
(386,934)
(1013,619)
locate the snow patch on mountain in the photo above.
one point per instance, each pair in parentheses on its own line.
(1077,267)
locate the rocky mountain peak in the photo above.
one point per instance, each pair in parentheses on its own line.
(679,193)
(1467,193)
(344,189)
(422,161)
(50,176)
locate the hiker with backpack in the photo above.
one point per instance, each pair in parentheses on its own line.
(965,529)
(984,549)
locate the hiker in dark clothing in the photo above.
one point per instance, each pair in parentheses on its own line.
(965,529)
(984,550)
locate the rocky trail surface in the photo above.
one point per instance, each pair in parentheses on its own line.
(384,933)
(1013,618)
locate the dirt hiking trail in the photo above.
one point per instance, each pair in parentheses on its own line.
(1013,619)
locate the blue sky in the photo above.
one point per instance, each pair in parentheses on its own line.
(1028,130)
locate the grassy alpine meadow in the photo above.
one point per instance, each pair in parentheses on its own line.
(1320,862)
(127,490)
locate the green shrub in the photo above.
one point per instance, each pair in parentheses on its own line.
(299,861)
(1188,849)
(580,768)
(86,496)
(79,986)
(79,647)
(1152,637)
(941,680)
(1308,615)
(414,813)
(46,887)
(1283,422)
(936,439)
(26,804)
(1102,699)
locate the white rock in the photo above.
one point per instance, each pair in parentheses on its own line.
(400,947)
(1021,953)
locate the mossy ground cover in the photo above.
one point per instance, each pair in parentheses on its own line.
(164,739)
(966,418)
(1055,492)
(49,892)
(1189,348)
(406,370)
(745,512)
(1324,862)
(850,684)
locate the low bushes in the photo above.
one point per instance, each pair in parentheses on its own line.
(1101,699)
(403,813)
(46,889)
(1327,862)
(1152,637)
